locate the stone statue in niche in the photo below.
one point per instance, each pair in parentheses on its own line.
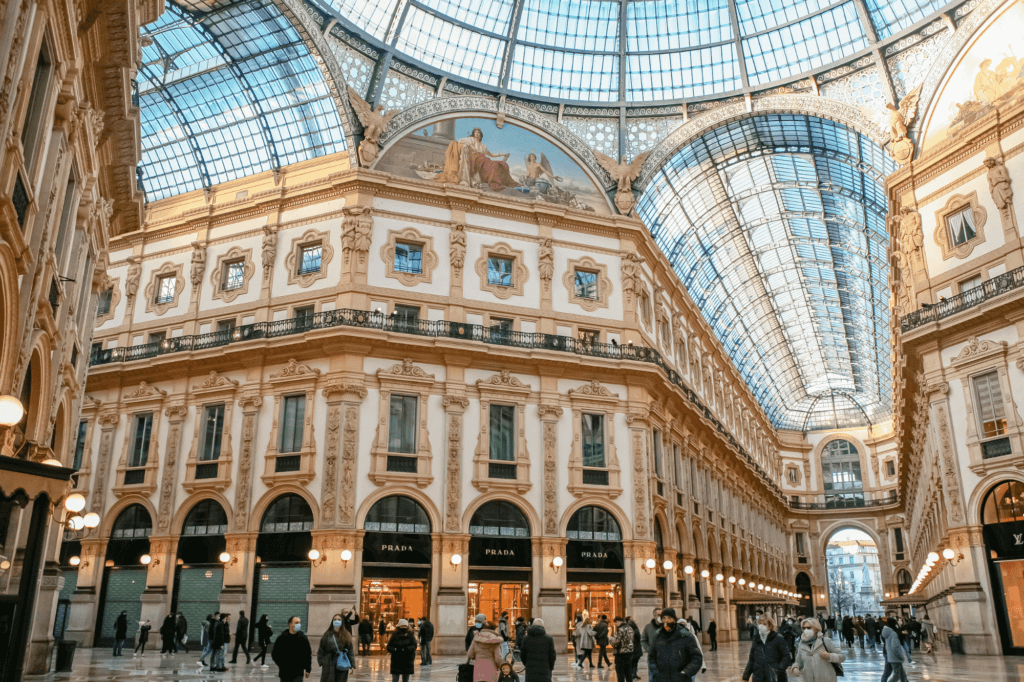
(375,121)
(908,223)
(546,262)
(269,250)
(631,281)
(1002,191)
(131,285)
(623,174)
(198,263)
(457,247)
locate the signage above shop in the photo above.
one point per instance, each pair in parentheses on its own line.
(500,552)
(591,555)
(397,548)
(1005,539)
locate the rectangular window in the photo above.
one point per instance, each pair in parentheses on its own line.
(83,427)
(678,467)
(402,427)
(890,468)
(310,258)
(970,283)
(593,440)
(658,470)
(33,128)
(97,348)
(897,534)
(586,284)
(305,313)
(165,288)
(503,429)
(499,271)
(225,325)
(293,419)
(588,336)
(140,442)
(408,257)
(213,429)
(407,315)
(103,307)
(233,276)
(501,325)
(961,226)
(67,221)
(989,407)
(800,550)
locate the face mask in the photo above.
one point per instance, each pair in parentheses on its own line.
(298,627)
(669,626)
(337,623)
(808,634)
(479,625)
(763,629)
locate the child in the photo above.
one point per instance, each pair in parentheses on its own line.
(506,673)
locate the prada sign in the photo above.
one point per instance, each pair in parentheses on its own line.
(397,548)
(498,552)
(591,554)
(1006,539)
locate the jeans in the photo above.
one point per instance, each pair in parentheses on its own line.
(218,659)
(907,647)
(118,646)
(897,672)
(245,649)
(178,644)
(650,669)
(206,652)
(425,654)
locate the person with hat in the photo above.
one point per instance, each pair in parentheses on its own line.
(485,653)
(537,652)
(402,647)
(674,655)
(478,623)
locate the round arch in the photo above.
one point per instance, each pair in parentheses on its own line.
(683,538)
(61,429)
(846,524)
(391,491)
(38,373)
(525,508)
(107,523)
(178,520)
(862,452)
(260,508)
(610,507)
(983,488)
(9,317)
(668,541)
(714,553)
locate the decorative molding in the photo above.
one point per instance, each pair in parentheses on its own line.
(520,273)
(250,403)
(294,257)
(503,380)
(550,504)
(144,391)
(604,283)
(977,349)
(593,390)
(954,204)
(405,369)
(453,475)
(151,290)
(356,232)
(236,253)
(293,369)
(216,381)
(114,284)
(428,260)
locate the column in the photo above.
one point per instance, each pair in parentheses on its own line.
(639,582)
(451,580)
(549,588)
(334,579)
(84,600)
(156,600)
(236,593)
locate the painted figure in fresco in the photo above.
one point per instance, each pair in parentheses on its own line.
(535,170)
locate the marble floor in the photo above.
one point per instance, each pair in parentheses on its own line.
(725,665)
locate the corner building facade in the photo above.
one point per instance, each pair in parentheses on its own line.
(268,378)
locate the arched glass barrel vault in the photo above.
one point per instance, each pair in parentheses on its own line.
(776,225)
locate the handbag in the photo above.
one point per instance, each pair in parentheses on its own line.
(184,639)
(343,663)
(838,667)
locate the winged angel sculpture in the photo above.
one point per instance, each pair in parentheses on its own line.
(900,146)
(375,121)
(623,174)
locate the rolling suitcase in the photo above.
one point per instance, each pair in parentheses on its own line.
(465,673)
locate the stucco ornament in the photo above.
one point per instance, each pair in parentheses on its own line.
(546,262)
(198,263)
(269,250)
(131,285)
(900,146)
(623,174)
(357,232)
(911,235)
(631,281)
(1000,188)
(457,247)
(374,120)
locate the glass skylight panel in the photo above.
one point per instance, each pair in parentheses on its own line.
(892,16)
(491,16)
(450,47)
(756,16)
(678,75)
(660,25)
(590,25)
(565,75)
(805,45)
(372,16)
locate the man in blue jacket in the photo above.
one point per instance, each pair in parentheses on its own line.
(674,655)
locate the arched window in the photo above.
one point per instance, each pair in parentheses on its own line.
(499,518)
(840,471)
(659,539)
(397,514)
(1005,503)
(286,514)
(133,522)
(206,518)
(593,523)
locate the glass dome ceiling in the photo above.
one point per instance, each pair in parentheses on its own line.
(776,225)
(630,50)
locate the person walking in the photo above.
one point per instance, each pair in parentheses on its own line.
(426,637)
(478,623)
(647,637)
(204,639)
(120,632)
(402,647)
(336,640)
(895,653)
(583,639)
(601,640)
(815,654)
(503,630)
(241,638)
(221,640)
(292,653)
(520,631)
(927,634)
(263,635)
(847,627)
(181,633)
(167,635)
(831,622)
(144,628)
(858,630)
(769,654)
(713,634)
(674,654)
(638,649)
(906,639)
(365,636)
(622,646)
(537,652)
(382,629)
(871,630)
(485,653)
(350,619)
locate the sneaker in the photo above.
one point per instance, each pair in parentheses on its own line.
(264,666)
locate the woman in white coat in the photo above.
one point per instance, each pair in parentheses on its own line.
(815,654)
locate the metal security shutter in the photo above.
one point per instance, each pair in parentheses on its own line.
(280,593)
(60,621)
(198,595)
(123,589)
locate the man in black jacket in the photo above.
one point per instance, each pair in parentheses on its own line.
(221,639)
(120,632)
(537,652)
(180,632)
(601,639)
(365,636)
(292,653)
(241,638)
(674,654)
(426,637)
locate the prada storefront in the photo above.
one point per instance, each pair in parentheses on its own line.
(594,566)
(500,562)
(396,563)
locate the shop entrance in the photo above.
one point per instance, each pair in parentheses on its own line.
(593,600)
(594,567)
(1003,519)
(495,598)
(500,560)
(388,601)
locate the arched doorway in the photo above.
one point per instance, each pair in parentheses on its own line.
(854,576)
(803,588)
(199,573)
(594,566)
(124,576)
(397,554)
(1002,514)
(281,580)
(500,562)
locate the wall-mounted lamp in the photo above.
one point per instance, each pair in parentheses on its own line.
(953,556)
(886,595)
(316,557)
(11,411)
(732,579)
(719,577)
(147,560)
(556,563)
(705,573)
(165,344)
(346,556)
(237,334)
(742,581)
(649,565)
(5,565)
(760,586)
(227,559)
(821,596)
(456,559)
(688,570)
(109,563)
(667,565)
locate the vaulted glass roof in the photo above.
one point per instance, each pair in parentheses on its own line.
(776,225)
(630,50)
(226,90)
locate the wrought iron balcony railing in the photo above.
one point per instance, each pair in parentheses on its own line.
(1008,281)
(430,328)
(847,503)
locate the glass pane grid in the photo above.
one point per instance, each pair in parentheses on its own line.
(492,16)
(892,16)
(373,16)
(659,25)
(451,47)
(590,25)
(567,75)
(311,259)
(675,75)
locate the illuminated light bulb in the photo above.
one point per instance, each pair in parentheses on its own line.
(821,596)
(456,559)
(74,503)
(557,562)
(760,586)
(92,519)
(719,577)
(77,523)
(705,573)
(932,557)
(667,565)
(75,560)
(145,559)
(688,570)
(346,555)
(5,565)
(743,581)
(314,554)
(948,554)
(11,410)
(224,557)
(650,564)
(732,579)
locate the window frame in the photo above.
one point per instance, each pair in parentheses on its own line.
(164,293)
(233,272)
(518,273)
(138,458)
(213,441)
(404,399)
(298,424)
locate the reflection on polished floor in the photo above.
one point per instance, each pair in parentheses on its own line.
(725,665)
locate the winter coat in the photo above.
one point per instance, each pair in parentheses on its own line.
(772,652)
(221,634)
(503,629)
(350,621)
(365,631)
(204,634)
(622,643)
(809,661)
(402,647)
(426,632)
(520,632)
(712,629)
(638,651)
(167,628)
(601,633)
(537,652)
(858,628)
(242,630)
(649,633)
(121,627)
(181,627)
(327,655)
(485,652)
(674,656)
(471,635)
(870,627)
(583,636)
(894,652)
(144,632)
(847,628)
(382,628)
(263,632)
(292,654)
